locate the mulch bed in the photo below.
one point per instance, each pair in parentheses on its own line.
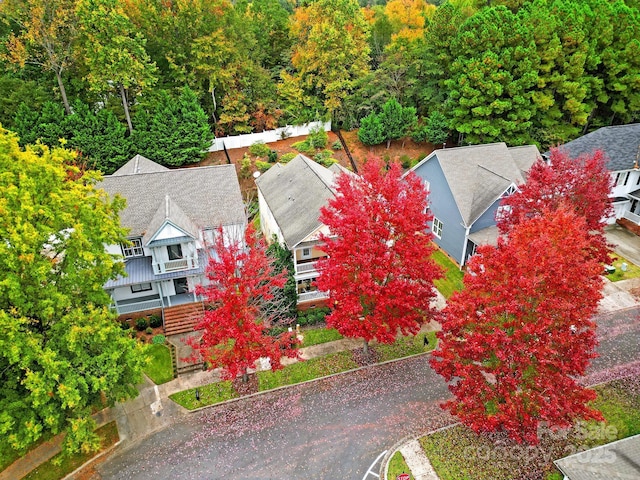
(363,360)
(248,387)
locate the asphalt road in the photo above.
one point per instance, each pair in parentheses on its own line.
(329,429)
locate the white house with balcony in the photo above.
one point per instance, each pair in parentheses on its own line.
(172,216)
(290,197)
(621,146)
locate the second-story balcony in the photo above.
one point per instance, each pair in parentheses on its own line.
(307,266)
(186,263)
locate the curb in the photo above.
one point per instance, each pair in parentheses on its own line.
(232,400)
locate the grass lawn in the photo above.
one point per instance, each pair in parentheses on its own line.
(452,281)
(397,465)
(458,453)
(209,395)
(315,336)
(405,347)
(159,369)
(303,371)
(633,270)
(50,471)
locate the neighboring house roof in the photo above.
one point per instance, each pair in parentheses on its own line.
(620,143)
(207,197)
(613,461)
(139,164)
(295,193)
(478,175)
(169,212)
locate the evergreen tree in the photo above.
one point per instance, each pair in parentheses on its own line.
(371,131)
(436,128)
(47,125)
(176,132)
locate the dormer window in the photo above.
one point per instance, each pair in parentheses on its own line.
(510,191)
(175,252)
(133,248)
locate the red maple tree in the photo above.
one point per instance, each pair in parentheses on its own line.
(379,272)
(583,183)
(235,323)
(515,339)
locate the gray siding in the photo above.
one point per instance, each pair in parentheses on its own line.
(444,208)
(487,219)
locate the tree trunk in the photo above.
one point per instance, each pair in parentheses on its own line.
(215,105)
(245,376)
(125,105)
(63,92)
(388,144)
(365,348)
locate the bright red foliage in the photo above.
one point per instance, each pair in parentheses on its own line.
(234,330)
(515,339)
(379,273)
(584,183)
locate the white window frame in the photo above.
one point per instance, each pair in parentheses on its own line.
(141,287)
(305,253)
(502,211)
(436,227)
(133,250)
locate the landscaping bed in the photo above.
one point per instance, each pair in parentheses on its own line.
(458,453)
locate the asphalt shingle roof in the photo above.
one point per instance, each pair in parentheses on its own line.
(620,143)
(139,164)
(295,193)
(169,211)
(477,175)
(207,196)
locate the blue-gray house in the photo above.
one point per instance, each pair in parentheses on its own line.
(466,185)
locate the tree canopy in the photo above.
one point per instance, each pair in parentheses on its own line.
(61,352)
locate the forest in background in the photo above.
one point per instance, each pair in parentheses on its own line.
(160,77)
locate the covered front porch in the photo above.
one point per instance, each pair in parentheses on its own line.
(152,302)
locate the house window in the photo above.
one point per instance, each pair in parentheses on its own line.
(502,211)
(510,191)
(175,252)
(141,287)
(306,253)
(133,248)
(437,227)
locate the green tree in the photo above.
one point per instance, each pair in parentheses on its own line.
(61,353)
(436,128)
(286,299)
(113,51)
(396,120)
(371,130)
(492,78)
(175,132)
(47,32)
(46,125)
(19,91)
(330,49)
(269,23)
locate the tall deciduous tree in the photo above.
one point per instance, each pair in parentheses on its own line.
(515,339)
(61,353)
(113,51)
(379,273)
(241,285)
(330,48)
(48,30)
(584,184)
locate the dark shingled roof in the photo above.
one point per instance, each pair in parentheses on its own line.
(207,196)
(295,193)
(619,143)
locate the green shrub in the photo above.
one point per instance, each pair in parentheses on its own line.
(304,147)
(143,338)
(272,157)
(337,145)
(287,157)
(159,340)
(245,166)
(149,331)
(259,149)
(141,324)
(405,161)
(324,158)
(155,321)
(262,166)
(124,325)
(312,316)
(318,138)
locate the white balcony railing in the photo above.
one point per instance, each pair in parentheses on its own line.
(306,267)
(315,295)
(186,263)
(138,306)
(632,217)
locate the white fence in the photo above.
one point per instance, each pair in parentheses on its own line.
(269,136)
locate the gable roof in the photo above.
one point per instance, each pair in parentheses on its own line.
(478,175)
(207,196)
(169,212)
(620,144)
(295,193)
(139,164)
(613,461)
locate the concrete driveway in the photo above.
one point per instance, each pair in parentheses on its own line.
(624,243)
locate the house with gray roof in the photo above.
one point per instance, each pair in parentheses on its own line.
(614,461)
(466,186)
(172,217)
(621,146)
(290,197)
